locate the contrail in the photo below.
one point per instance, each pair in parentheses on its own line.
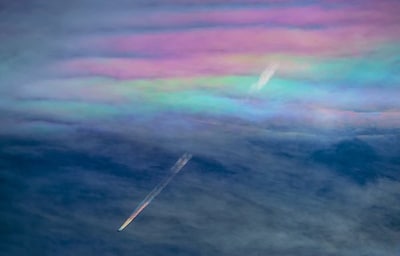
(264,78)
(182,161)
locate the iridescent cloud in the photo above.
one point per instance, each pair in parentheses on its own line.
(337,65)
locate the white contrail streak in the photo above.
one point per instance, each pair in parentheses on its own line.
(182,161)
(264,78)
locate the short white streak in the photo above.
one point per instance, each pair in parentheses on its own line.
(264,78)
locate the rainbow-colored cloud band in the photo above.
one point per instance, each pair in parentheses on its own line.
(337,66)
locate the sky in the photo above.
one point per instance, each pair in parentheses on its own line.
(98,100)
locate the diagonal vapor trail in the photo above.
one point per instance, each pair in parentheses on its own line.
(182,161)
(264,78)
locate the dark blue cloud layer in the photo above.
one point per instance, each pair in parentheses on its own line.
(69,200)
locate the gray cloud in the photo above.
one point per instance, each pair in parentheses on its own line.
(70,200)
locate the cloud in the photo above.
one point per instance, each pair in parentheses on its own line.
(93,114)
(232,200)
(354,159)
